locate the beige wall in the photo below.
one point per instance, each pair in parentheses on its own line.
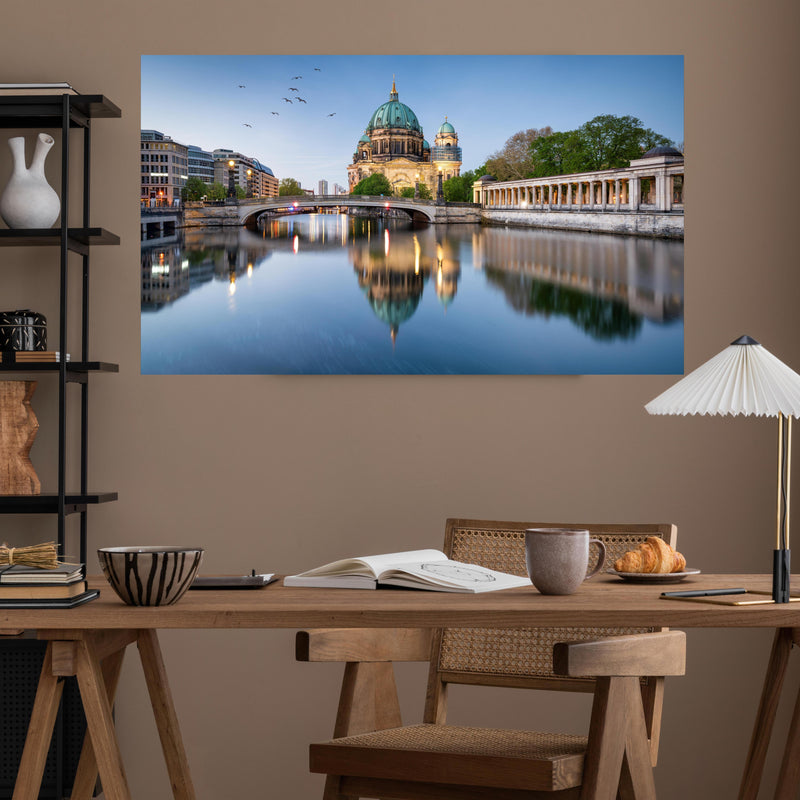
(281,473)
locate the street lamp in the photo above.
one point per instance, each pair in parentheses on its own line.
(416,188)
(249,184)
(231,184)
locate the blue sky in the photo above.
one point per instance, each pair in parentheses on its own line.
(197,100)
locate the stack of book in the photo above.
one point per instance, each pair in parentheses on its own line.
(34,587)
(32,356)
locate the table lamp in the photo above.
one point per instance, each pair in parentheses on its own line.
(747,379)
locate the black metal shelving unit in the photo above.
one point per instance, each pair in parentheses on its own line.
(67,113)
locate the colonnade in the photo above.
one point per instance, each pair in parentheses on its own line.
(610,190)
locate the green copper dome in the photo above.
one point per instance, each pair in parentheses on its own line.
(365,139)
(425,145)
(394,114)
(446,127)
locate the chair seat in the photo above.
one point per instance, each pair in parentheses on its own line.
(454,754)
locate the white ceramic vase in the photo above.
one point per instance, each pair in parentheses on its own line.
(28,200)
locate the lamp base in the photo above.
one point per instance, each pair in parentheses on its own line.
(781,570)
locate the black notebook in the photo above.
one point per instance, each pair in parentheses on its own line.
(58,602)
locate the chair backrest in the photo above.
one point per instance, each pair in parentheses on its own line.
(520,657)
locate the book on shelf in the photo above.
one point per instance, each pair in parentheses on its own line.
(32,356)
(14,574)
(60,87)
(415,569)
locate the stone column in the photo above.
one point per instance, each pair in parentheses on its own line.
(616,194)
(661,202)
(558,194)
(604,193)
(591,194)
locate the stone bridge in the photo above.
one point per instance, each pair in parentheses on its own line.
(245,211)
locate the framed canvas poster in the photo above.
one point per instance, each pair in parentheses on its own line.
(404,214)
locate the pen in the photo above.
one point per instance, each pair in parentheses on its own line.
(703,592)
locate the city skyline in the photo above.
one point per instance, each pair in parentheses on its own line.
(237,102)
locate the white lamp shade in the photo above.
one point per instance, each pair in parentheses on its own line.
(744,378)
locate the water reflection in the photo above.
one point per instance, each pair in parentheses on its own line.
(456,298)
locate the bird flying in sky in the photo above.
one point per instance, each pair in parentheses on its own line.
(297,78)
(286,99)
(317,69)
(332,115)
(247,125)
(292,89)
(300,100)
(242,86)
(276,113)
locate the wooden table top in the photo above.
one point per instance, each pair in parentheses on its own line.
(603,601)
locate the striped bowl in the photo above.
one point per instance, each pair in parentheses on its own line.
(150,576)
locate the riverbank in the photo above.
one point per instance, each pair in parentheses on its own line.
(659,224)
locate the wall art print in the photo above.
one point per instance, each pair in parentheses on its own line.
(306,214)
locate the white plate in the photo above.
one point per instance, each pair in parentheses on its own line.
(654,577)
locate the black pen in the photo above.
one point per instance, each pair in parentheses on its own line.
(703,592)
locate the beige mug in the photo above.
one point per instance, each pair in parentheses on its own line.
(557,558)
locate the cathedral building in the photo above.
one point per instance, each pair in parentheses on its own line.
(393,143)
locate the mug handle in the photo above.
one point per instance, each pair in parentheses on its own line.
(601,559)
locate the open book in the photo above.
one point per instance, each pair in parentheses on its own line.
(416,569)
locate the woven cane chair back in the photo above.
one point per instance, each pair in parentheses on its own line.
(522,657)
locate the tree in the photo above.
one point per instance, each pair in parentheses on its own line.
(289,187)
(194,189)
(374,184)
(424,192)
(610,141)
(217,192)
(559,153)
(605,142)
(513,162)
(240,192)
(459,188)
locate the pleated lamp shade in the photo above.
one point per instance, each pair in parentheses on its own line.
(744,378)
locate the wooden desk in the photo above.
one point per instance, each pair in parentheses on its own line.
(89,642)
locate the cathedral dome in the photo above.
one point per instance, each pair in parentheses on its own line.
(446,127)
(394,114)
(365,139)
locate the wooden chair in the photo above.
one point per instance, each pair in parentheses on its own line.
(373,755)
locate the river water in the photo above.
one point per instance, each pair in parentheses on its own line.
(337,294)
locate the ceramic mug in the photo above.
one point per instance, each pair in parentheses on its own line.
(558,558)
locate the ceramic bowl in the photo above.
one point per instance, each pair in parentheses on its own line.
(150,576)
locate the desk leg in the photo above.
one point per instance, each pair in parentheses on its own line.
(765,717)
(166,719)
(40,731)
(100,724)
(86,774)
(789,776)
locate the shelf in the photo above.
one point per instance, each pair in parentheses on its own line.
(48,503)
(76,370)
(78,239)
(42,111)
(53,366)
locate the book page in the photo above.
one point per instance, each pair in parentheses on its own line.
(371,566)
(450,576)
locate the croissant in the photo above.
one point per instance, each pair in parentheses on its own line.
(653,555)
